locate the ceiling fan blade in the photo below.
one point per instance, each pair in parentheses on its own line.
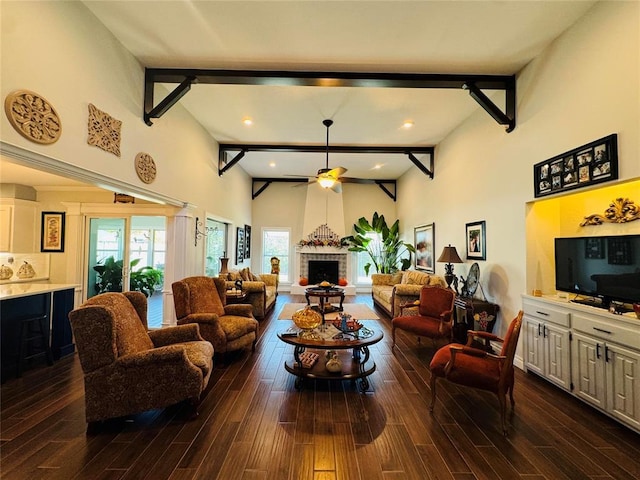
(336,172)
(337,187)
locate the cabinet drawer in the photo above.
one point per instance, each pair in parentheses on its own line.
(607,330)
(547,313)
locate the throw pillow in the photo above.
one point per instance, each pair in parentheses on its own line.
(234,275)
(414,277)
(245,274)
(396,278)
(255,277)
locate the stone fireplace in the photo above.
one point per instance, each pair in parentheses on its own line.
(317,256)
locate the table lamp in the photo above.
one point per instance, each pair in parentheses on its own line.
(449,256)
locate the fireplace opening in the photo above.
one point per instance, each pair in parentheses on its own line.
(321,270)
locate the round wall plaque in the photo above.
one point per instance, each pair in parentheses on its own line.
(145,167)
(33,117)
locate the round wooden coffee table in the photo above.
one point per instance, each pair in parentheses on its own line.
(352,350)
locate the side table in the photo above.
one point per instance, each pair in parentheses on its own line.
(464,309)
(324,294)
(236,296)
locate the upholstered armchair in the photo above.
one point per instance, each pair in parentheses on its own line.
(473,367)
(202,300)
(433,318)
(128,370)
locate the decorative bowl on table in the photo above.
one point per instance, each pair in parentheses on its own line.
(351,325)
(307,319)
(326,285)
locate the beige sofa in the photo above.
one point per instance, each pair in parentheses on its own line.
(390,290)
(261,289)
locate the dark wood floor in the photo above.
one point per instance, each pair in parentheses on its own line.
(253,424)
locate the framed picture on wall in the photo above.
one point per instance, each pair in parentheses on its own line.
(476,240)
(247,241)
(52,232)
(592,163)
(239,245)
(424,238)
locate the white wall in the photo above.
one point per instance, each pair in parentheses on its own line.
(282,205)
(62,52)
(583,87)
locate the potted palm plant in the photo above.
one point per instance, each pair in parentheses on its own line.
(389,253)
(144,280)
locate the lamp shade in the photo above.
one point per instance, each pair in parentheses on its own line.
(449,255)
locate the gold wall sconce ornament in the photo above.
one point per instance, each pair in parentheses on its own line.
(33,117)
(621,210)
(104,131)
(145,167)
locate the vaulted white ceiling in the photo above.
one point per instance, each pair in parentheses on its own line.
(453,37)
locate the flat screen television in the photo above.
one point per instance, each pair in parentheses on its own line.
(605,269)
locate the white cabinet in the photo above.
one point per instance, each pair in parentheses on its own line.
(18,226)
(605,373)
(6,227)
(547,343)
(591,353)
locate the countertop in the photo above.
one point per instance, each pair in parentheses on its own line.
(16,290)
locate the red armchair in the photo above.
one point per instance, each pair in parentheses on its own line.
(473,367)
(434,317)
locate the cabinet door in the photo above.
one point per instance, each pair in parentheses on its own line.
(587,365)
(623,384)
(557,355)
(534,349)
(6,228)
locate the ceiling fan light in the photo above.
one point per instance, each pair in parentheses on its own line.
(326,182)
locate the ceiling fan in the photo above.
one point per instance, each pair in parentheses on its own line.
(329,178)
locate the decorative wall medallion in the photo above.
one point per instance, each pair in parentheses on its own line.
(33,117)
(145,167)
(104,131)
(621,210)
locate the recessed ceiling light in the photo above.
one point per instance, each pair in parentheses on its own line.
(247,121)
(407,124)
(377,166)
(272,164)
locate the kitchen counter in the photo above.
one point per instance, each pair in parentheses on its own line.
(20,302)
(15,290)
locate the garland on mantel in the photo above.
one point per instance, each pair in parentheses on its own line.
(323,236)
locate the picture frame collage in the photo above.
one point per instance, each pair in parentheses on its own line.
(589,164)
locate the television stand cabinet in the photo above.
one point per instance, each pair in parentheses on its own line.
(587,351)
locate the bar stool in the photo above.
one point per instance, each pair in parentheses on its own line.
(34,341)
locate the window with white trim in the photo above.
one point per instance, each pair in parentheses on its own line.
(276,243)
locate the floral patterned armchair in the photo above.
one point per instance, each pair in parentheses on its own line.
(128,369)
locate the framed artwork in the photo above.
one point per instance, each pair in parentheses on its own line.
(247,241)
(424,238)
(239,245)
(52,233)
(592,163)
(476,240)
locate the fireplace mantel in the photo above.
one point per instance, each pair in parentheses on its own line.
(303,253)
(321,250)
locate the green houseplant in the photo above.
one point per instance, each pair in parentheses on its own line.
(387,255)
(144,280)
